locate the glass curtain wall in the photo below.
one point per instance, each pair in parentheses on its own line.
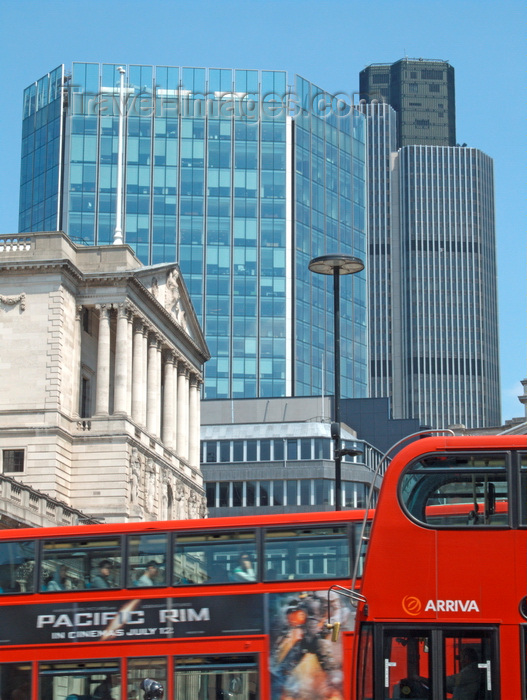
(211,159)
(330,199)
(40,173)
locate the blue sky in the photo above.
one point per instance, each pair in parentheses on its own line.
(328,43)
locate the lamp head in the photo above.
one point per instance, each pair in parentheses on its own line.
(343,263)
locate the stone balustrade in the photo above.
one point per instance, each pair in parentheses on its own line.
(25,505)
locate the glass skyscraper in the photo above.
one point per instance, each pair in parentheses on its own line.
(239,176)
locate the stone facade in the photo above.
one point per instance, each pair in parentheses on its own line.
(100,364)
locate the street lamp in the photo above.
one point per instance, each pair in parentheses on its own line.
(336,265)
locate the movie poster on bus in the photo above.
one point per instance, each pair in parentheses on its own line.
(137,619)
(305,664)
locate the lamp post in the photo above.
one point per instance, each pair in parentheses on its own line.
(336,265)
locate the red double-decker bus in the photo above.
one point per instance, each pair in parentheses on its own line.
(231,608)
(443,609)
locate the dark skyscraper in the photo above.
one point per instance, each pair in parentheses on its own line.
(422,94)
(432,262)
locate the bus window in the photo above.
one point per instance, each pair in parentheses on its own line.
(151,667)
(77,564)
(89,680)
(436,662)
(215,558)
(523,490)
(17,567)
(457,490)
(365,664)
(406,669)
(15,681)
(320,552)
(147,557)
(216,678)
(468,667)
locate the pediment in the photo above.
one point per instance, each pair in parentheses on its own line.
(165,283)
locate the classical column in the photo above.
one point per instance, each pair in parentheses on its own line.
(138,378)
(77,364)
(182,411)
(102,398)
(177,360)
(145,374)
(194,420)
(121,361)
(130,360)
(168,400)
(153,389)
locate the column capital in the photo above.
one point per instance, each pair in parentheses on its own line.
(154,339)
(104,309)
(183,368)
(169,356)
(138,324)
(122,309)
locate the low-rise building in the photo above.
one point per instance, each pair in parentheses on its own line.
(276,456)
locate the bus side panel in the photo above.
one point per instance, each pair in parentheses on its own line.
(401,569)
(473,588)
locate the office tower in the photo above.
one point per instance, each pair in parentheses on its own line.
(383,259)
(450,286)
(432,281)
(422,94)
(238,176)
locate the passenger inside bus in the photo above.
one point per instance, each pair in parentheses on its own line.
(59,581)
(102,578)
(465,685)
(244,571)
(150,574)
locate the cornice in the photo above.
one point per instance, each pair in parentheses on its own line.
(43,265)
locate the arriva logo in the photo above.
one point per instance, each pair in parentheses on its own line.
(413,606)
(452,606)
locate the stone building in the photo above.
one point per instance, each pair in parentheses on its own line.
(100,369)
